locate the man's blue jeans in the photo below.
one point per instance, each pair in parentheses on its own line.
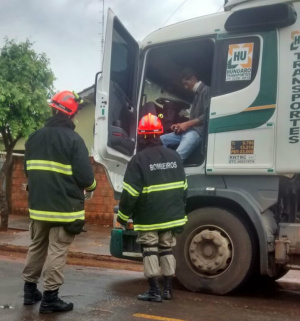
(187,142)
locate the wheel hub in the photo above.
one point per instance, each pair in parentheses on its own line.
(210,252)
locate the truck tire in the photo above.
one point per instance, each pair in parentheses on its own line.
(215,253)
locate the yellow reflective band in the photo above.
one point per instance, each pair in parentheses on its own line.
(163,187)
(44,165)
(92,186)
(259,107)
(56,216)
(167,225)
(130,190)
(185,184)
(123,216)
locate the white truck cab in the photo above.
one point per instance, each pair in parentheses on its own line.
(244,178)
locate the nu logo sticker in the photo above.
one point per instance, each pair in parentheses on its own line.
(239,62)
(295,35)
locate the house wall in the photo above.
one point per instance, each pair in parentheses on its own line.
(84,122)
(99,210)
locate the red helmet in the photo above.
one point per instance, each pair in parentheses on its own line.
(150,124)
(66,101)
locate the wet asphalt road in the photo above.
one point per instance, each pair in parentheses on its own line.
(106,294)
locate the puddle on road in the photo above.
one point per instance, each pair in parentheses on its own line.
(6,306)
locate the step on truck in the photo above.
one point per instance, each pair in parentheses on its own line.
(243,181)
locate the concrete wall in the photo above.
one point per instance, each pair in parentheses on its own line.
(99,209)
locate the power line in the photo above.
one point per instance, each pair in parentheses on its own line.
(174,12)
(179,8)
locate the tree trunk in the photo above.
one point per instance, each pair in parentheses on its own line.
(3,211)
(8,180)
(3,201)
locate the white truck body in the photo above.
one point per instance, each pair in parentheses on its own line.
(249,163)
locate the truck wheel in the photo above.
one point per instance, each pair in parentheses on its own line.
(215,253)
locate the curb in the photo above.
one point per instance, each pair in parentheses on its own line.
(82,259)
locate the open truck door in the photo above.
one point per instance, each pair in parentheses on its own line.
(115,111)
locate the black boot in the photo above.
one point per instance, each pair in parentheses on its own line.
(167,293)
(52,303)
(153,294)
(31,293)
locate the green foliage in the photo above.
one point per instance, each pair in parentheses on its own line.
(26,81)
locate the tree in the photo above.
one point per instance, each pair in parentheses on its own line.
(26,81)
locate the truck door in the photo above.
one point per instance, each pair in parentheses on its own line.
(115,111)
(243,106)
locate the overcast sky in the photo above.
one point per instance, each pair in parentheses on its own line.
(69,31)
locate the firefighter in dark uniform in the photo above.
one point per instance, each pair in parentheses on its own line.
(154,192)
(60,178)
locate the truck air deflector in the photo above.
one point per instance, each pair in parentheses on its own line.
(262,18)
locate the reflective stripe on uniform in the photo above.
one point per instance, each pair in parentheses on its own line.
(44,165)
(164,253)
(167,225)
(130,190)
(123,216)
(56,216)
(164,187)
(90,188)
(185,184)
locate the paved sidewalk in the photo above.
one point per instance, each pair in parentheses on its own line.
(94,241)
(89,248)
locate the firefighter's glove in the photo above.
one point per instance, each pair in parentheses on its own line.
(88,195)
(122,224)
(123,227)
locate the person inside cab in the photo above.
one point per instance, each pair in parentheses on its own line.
(188,135)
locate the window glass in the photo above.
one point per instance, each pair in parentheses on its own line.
(121,116)
(236,64)
(123,60)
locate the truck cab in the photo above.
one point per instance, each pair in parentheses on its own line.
(244,177)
